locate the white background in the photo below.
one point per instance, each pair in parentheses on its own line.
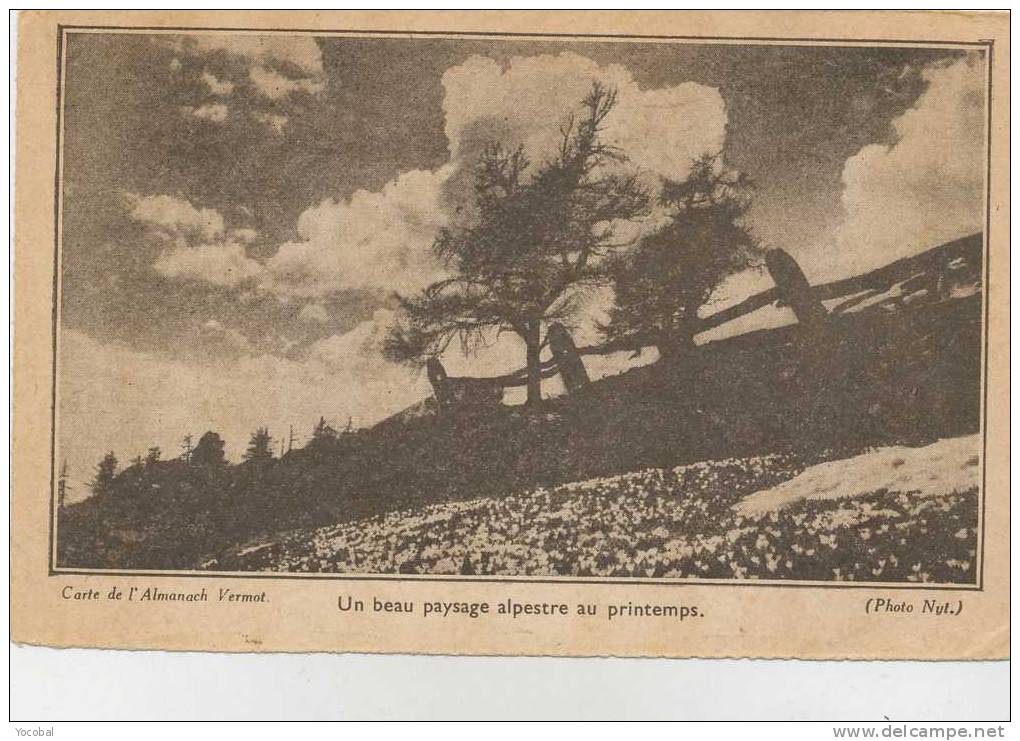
(77,684)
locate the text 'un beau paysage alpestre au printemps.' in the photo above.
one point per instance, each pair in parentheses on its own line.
(514,609)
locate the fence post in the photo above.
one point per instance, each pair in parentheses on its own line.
(437,377)
(794,288)
(568,361)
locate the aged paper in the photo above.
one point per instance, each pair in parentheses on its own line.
(640,334)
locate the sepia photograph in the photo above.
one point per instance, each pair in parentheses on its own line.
(520,308)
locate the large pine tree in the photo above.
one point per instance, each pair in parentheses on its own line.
(537,245)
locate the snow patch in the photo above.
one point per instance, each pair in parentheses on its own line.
(944,467)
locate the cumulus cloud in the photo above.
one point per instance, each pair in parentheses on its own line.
(175,215)
(358,348)
(382,239)
(277,65)
(274,85)
(275,68)
(926,188)
(661,130)
(215,112)
(216,85)
(220,264)
(370,240)
(202,248)
(300,51)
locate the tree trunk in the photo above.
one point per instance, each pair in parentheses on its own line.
(533,340)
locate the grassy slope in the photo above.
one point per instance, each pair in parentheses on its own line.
(870,379)
(672,523)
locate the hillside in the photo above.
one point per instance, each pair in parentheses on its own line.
(872,378)
(878,516)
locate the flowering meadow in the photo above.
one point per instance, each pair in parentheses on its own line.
(685,522)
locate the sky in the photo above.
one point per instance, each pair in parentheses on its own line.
(239,210)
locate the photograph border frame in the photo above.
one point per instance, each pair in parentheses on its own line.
(987,46)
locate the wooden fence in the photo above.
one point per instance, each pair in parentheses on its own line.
(929,276)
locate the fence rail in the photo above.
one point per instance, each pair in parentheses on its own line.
(931,271)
